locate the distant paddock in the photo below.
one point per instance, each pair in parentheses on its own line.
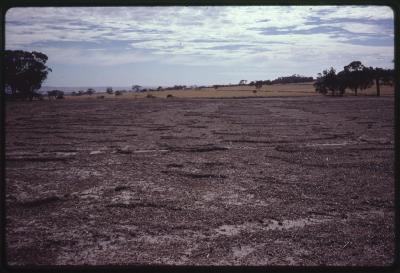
(235,91)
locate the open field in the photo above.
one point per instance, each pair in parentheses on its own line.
(275,90)
(268,181)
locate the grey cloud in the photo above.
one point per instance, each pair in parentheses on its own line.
(226,47)
(263,21)
(371,41)
(212,41)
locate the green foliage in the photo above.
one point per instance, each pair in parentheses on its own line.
(354,76)
(24,72)
(328,81)
(358,77)
(136,88)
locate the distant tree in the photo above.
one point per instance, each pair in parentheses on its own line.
(136,88)
(358,77)
(242,82)
(24,72)
(58,94)
(355,76)
(267,82)
(90,91)
(389,77)
(258,84)
(295,78)
(118,93)
(380,75)
(328,81)
(159,88)
(109,90)
(342,82)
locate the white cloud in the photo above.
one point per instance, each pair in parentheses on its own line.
(203,36)
(358,12)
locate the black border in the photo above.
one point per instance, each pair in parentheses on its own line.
(7,4)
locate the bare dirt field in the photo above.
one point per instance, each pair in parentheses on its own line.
(262,181)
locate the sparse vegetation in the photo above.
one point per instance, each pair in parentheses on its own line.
(57,94)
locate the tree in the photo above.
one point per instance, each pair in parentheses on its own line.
(341,82)
(242,82)
(354,76)
(109,90)
(90,91)
(258,84)
(136,88)
(380,75)
(25,72)
(357,76)
(295,78)
(329,81)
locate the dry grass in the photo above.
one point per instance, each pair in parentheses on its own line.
(276,90)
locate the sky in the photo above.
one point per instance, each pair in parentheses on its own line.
(153,46)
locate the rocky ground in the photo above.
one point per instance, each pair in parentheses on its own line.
(267,181)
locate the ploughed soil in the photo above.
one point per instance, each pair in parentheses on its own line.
(263,181)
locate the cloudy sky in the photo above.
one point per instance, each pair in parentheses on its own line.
(122,46)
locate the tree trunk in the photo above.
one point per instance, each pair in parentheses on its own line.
(378,88)
(355,90)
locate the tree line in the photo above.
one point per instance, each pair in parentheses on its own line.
(295,78)
(26,71)
(354,76)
